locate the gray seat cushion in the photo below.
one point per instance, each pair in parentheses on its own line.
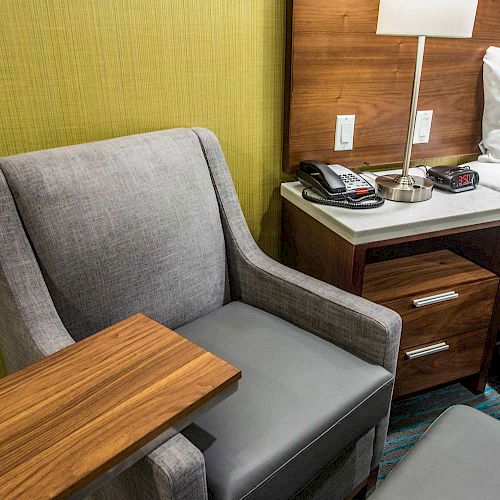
(456,459)
(117,230)
(300,402)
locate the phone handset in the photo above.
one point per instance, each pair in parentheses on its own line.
(336,185)
(322,178)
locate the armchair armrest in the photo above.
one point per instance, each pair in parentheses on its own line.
(365,329)
(174,471)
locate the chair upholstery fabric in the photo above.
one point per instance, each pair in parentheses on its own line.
(254,445)
(174,471)
(53,290)
(123,226)
(30,327)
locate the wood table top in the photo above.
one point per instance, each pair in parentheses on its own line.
(69,418)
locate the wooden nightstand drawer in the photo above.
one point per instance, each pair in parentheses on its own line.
(470,309)
(446,303)
(449,359)
(420,276)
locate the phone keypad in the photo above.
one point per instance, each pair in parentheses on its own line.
(353,181)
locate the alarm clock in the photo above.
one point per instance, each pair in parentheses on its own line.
(454,179)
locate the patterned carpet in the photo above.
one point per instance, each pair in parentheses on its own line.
(412,416)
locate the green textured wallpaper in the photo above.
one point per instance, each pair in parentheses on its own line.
(74,71)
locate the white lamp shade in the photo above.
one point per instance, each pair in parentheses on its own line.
(434,18)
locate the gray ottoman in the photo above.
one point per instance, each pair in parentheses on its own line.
(457,458)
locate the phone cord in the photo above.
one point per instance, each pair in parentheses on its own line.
(363,203)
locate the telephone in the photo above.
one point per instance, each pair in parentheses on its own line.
(336,185)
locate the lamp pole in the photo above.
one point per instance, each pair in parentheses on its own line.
(404,187)
(414,105)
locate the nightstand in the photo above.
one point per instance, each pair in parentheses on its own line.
(347,248)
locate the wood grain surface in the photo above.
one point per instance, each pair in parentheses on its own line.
(465,323)
(69,418)
(463,358)
(472,310)
(338,65)
(418,275)
(312,248)
(477,383)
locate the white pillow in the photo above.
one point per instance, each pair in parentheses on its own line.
(490,146)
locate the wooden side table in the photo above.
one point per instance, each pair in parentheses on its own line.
(336,245)
(87,412)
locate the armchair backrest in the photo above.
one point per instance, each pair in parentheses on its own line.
(120,226)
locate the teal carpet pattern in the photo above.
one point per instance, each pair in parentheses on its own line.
(411,417)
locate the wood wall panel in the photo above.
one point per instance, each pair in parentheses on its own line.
(337,65)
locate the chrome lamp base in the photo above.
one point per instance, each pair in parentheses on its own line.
(405,188)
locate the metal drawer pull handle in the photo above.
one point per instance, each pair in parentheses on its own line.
(435,299)
(426,351)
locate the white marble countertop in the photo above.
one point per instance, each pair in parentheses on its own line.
(397,220)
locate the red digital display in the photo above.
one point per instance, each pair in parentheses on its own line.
(465,180)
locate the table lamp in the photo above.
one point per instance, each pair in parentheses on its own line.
(420,18)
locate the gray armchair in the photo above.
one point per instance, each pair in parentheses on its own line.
(93,233)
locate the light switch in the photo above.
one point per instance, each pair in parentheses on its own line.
(344,132)
(422,127)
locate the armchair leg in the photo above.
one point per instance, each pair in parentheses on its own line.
(372,481)
(365,488)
